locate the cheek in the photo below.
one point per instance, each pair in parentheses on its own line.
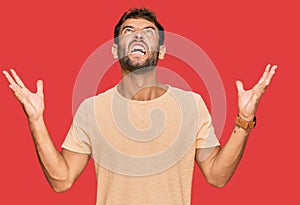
(153,44)
(124,40)
(123,47)
(154,48)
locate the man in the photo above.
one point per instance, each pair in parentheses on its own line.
(118,119)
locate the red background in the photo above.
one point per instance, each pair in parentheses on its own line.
(52,40)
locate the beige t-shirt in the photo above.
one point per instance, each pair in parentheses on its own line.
(143,151)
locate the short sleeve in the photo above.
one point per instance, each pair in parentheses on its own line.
(78,139)
(206,137)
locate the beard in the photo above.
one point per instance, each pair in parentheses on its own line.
(138,66)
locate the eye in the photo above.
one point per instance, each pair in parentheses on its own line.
(127,31)
(149,31)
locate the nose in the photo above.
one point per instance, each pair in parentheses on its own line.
(138,35)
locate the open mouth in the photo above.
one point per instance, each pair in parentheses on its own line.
(137,48)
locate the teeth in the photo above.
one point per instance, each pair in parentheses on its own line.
(138,48)
(138,52)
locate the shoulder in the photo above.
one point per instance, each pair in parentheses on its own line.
(89,102)
(188,97)
(178,92)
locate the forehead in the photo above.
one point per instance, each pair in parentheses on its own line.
(138,23)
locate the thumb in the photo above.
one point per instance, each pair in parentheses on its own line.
(239,86)
(39,86)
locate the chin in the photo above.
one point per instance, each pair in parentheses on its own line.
(137,65)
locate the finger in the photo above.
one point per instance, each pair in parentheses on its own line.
(9,78)
(265,75)
(39,86)
(268,67)
(270,75)
(12,84)
(239,86)
(17,92)
(17,78)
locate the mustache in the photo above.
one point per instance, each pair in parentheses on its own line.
(123,51)
(139,41)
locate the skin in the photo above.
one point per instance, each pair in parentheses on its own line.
(139,85)
(63,168)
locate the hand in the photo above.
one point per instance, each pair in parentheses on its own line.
(33,103)
(248,100)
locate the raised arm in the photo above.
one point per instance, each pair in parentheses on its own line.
(220,165)
(60,168)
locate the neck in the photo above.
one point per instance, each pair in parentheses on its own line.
(137,86)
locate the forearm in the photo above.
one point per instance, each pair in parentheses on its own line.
(51,160)
(220,165)
(61,168)
(229,156)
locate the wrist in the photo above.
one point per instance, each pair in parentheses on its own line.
(245,124)
(246,117)
(35,120)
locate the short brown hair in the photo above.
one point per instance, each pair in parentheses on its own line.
(142,13)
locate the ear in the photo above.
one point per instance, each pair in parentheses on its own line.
(162,52)
(114,51)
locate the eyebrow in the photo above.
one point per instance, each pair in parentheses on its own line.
(147,27)
(152,27)
(126,27)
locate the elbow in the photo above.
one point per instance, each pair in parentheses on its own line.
(59,184)
(59,176)
(217,182)
(218,185)
(60,187)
